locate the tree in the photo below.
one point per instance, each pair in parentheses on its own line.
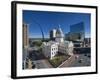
(36,43)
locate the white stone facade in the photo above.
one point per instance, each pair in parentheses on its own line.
(59,35)
(59,40)
(51,48)
(66,48)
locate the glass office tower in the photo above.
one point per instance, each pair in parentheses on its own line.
(77,32)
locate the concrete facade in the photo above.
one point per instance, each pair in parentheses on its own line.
(25,35)
(25,45)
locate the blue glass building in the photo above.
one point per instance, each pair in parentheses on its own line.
(77,32)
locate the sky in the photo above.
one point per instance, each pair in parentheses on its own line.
(50,20)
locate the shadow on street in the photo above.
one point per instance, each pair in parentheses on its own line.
(36,55)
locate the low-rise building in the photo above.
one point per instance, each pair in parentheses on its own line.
(66,48)
(51,48)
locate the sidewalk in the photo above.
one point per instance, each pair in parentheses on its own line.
(67,62)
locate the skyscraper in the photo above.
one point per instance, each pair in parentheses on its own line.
(77,32)
(25,45)
(52,34)
(25,35)
(78,27)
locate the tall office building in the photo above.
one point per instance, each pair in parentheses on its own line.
(77,32)
(25,45)
(79,27)
(53,34)
(25,35)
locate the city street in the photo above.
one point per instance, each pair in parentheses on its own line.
(77,60)
(81,57)
(82,60)
(39,60)
(42,64)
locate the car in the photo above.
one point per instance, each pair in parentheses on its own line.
(85,54)
(88,56)
(81,60)
(76,57)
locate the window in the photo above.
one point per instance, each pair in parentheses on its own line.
(52,53)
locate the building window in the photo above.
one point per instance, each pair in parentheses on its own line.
(52,53)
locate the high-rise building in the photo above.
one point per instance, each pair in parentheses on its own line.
(25,35)
(79,27)
(25,45)
(52,34)
(77,32)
